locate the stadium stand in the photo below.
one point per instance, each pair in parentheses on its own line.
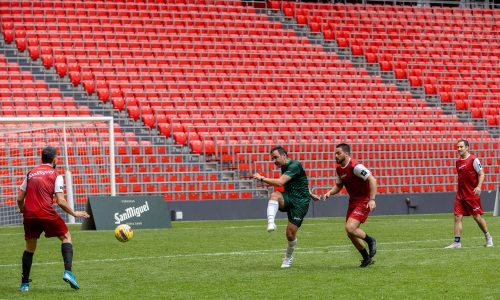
(225,81)
(447,53)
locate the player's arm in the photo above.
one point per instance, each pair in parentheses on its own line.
(273,181)
(63,204)
(21,195)
(372,182)
(477,189)
(61,201)
(365,174)
(20,200)
(481,175)
(335,190)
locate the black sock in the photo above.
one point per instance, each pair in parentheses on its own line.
(457,239)
(67,253)
(27,261)
(368,239)
(364,253)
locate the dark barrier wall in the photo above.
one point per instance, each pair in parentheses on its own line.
(393,204)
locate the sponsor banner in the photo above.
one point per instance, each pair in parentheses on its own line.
(139,212)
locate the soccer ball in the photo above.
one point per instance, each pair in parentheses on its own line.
(123,233)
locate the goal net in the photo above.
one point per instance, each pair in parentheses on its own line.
(85,148)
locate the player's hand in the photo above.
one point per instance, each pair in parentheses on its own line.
(477,191)
(317,197)
(326,196)
(20,210)
(81,214)
(371,205)
(257,176)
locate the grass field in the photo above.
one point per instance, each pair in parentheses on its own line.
(240,260)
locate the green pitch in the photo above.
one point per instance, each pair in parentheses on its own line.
(240,260)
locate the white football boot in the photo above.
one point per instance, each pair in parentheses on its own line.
(455,245)
(271,227)
(287,262)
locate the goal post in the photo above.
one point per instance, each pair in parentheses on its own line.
(496,209)
(86,149)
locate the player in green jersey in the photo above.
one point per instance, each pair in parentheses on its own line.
(294,200)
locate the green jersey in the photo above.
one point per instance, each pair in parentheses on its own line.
(297,188)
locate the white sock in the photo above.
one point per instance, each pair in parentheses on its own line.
(487,235)
(290,248)
(272,209)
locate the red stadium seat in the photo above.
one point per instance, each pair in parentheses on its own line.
(89,86)
(74,77)
(149,120)
(8,35)
(103,94)
(21,44)
(61,69)
(34,52)
(133,112)
(430,89)
(400,74)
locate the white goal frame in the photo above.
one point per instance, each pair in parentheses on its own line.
(68,177)
(496,208)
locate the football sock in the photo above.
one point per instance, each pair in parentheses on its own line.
(27,261)
(67,253)
(290,248)
(364,253)
(368,239)
(272,209)
(457,239)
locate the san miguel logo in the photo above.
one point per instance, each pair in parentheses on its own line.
(131,212)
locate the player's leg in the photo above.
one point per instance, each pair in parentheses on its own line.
(57,228)
(275,203)
(460,209)
(296,212)
(357,235)
(32,231)
(67,254)
(291,236)
(27,261)
(484,228)
(457,229)
(67,250)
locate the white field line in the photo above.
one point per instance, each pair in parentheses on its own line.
(265,224)
(309,250)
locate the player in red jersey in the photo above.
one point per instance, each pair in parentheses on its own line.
(467,200)
(362,189)
(35,203)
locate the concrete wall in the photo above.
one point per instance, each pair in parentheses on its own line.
(394,204)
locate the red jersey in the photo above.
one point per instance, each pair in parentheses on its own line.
(40,185)
(354,177)
(468,177)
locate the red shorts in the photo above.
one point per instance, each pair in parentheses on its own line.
(468,207)
(358,211)
(33,228)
